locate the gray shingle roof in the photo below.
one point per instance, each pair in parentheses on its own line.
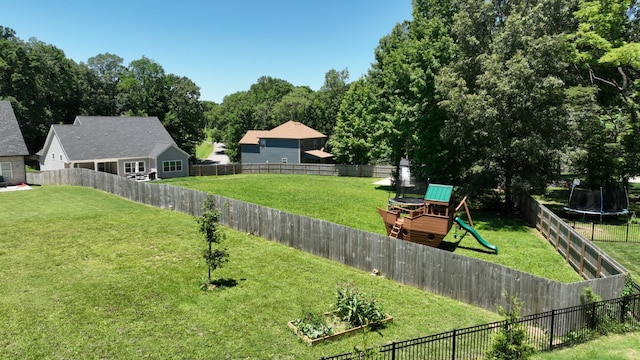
(107,137)
(11,140)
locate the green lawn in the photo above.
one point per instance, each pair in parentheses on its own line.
(626,253)
(353,201)
(611,347)
(204,149)
(88,275)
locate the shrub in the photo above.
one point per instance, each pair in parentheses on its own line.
(357,308)
(313,326)
(511,340)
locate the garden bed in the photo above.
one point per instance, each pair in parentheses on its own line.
(341,327)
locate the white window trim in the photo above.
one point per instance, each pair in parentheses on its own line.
(10,170)
(167,164)
(135,166)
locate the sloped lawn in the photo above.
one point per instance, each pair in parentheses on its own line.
(88,275)
(353,201)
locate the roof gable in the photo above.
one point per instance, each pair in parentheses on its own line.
(294,130)
(11,142)
(289,130)
(107,137)
(252,137)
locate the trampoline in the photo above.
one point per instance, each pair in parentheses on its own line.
(601,202)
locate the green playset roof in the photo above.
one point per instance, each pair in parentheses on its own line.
(439,193)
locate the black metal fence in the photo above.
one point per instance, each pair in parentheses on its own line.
(546,331)
(625,228)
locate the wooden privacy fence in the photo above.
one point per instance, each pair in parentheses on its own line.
(583,255)
(473,281)
(300,169)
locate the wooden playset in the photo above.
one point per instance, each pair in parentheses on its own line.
(429,221)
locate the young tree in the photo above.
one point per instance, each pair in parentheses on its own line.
(511,341)
(215,257)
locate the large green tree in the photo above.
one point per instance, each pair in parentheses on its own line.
(353,140)
(607,56)
(253,110)
(505,93)
(142,91)
(396,110)
(145,90)
(322,113)
(184,118)
(40,82)
(98,81)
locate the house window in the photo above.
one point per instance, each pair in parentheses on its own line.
(263,143)
(60,157)
(5,170)
(133,167)
(284,160)
(53,156)
(172,165)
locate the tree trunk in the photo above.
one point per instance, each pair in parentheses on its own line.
(508,201)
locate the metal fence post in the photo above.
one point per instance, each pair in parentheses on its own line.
(627,237)
(593,229)
(393,350)
(453,346)
(553,323)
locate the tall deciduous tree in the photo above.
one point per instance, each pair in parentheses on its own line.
(251,110)
(40,82)
(353,141)
(507,103)
(293,105)
(99,79)
(323,111)
(145,90)
(608,55)
(142,91)
(184,119)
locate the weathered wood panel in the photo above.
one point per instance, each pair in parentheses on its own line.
(309,169)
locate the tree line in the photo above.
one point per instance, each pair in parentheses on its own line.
(270,102)
(484,94)
(46,88)
(500,94)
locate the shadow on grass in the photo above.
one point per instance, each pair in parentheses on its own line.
(496,221)
(452,246)
(222,284)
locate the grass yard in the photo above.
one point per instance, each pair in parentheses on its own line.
(353,201)
(89,275)
(204,149)
(610,347)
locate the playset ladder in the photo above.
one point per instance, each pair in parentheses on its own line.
(395,231)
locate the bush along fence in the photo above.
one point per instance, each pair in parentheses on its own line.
(544,332)
(476,282)
(299,169)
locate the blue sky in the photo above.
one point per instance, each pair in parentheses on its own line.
(223,46)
